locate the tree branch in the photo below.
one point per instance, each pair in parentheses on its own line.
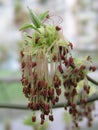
(60,105)
(92,80)
(17,79)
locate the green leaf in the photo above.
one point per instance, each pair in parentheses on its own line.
(42,16)
(34,19)
(26,26)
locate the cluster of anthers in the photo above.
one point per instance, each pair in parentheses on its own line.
(48,66)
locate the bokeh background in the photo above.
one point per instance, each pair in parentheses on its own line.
(80,26)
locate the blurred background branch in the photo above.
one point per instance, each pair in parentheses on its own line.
(80,26)
(59,105)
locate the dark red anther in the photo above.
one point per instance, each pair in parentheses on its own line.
(37,106)
(32,91)
(58,91)
(67,50)
(74,92)
(51,91)
(56,85)
(42,116)
(66,94)
(92,68)
(45,84)
(89,124)
(85,87)
(42,121)
(66,62)
(54,58)
(64,52)
(34,76)
(75,84)
(37,39)
(53,101)
(65,108)
(62,57)
(70,111)
(29,85)
(59,82)
(29,105)
(46,111)
(84,101)
(48,16)
(86,113)
(75,70)
(51,117)
(42,105)
(34,106)
(33,118)
(56,99)
(60,49)
(60,68)
(46,106)
(73,106)
(45,93)
(55,78)
(40,84)
(71,45)
(82,67)
(21,53)
(22,65)
(24,81)
(70,60)
(76,124)
(24,89)
(87,91)
(33,64)
(57,28)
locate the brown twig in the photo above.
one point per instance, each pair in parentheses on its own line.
(60,105)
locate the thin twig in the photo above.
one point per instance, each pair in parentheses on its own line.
(60,105)
(92,80)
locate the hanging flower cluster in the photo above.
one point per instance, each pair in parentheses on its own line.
(47,65)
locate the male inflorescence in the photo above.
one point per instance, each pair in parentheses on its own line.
(47,67)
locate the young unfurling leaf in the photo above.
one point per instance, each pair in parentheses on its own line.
(42,16)
(34,19)
(27,26)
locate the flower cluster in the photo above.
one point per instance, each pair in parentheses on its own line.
(47,65)
(71,81)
